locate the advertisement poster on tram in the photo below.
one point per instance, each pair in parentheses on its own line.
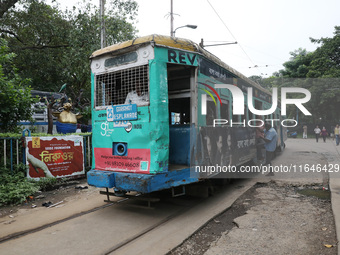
(57,157)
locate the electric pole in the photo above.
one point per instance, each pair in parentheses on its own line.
(102,24)
(171,18)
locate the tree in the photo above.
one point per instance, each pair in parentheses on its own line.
(15,94)
(323,64)
(326,58)
(37,33)
(298,65)
(6,5)
(53,46)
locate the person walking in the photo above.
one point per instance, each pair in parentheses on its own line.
(304,132)
(270,137)
(324,134)
(317,132)
(337,133)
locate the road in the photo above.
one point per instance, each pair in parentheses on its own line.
(284,213)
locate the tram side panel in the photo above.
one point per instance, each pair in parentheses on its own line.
(220,145)
(159,120)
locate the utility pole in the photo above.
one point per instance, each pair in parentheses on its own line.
(102,24)
(171,18)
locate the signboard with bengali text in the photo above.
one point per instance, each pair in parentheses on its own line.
(60,156)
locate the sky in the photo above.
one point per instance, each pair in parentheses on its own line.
(266,31)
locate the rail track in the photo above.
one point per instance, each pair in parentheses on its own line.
(182,205)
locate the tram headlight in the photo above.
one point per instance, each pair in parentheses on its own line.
(119,149)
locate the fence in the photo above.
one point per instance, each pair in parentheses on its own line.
(12,151)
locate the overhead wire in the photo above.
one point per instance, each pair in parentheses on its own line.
(225,25)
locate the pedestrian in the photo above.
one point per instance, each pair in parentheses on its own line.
(259,141)
(317,132)
(270,137)
(304,132)
(337,133)
(324,134)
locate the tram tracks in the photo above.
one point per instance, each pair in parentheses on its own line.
(123,229)
(121,244)
(147,230)
(42,227)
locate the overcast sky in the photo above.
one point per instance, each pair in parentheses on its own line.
(266,30)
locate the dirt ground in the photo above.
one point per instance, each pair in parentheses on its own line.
(269,219)
(67,192)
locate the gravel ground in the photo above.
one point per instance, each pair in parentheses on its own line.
(269,219)
(71,190)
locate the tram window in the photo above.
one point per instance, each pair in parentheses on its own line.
(244,116)
(250,115)
(235,117)
(179,78)
(225,110)
(179,110)
(258,106)
(211,113)
(117,87)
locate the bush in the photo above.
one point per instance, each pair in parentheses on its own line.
(47,183)
(15,188)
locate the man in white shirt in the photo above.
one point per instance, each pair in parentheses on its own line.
(317,132)
(137,96)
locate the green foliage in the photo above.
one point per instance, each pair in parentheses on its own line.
(15,188)
(53,46)
(16,135)
(298,65)
(326,58)
(323,64)
(47,183)
(87,113)
(15,96)
(5,5)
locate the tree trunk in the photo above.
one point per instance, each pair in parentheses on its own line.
(50,118)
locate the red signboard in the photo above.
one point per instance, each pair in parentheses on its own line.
(136,161)
(60,156)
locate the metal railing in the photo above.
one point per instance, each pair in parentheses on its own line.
(12,151)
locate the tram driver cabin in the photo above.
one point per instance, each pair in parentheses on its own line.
(148,128)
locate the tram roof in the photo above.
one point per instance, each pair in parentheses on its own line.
(173,42)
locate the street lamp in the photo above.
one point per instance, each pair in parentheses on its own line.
(189,26)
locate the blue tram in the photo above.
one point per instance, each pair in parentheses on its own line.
(158,114)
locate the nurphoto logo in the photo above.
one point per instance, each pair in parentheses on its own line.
(239,106)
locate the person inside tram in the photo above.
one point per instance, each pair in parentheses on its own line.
(137,96)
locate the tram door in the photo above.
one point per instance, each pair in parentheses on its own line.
(181,84)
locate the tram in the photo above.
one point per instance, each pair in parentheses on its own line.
(154,109)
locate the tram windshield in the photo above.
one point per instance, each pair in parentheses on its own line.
(126,86)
